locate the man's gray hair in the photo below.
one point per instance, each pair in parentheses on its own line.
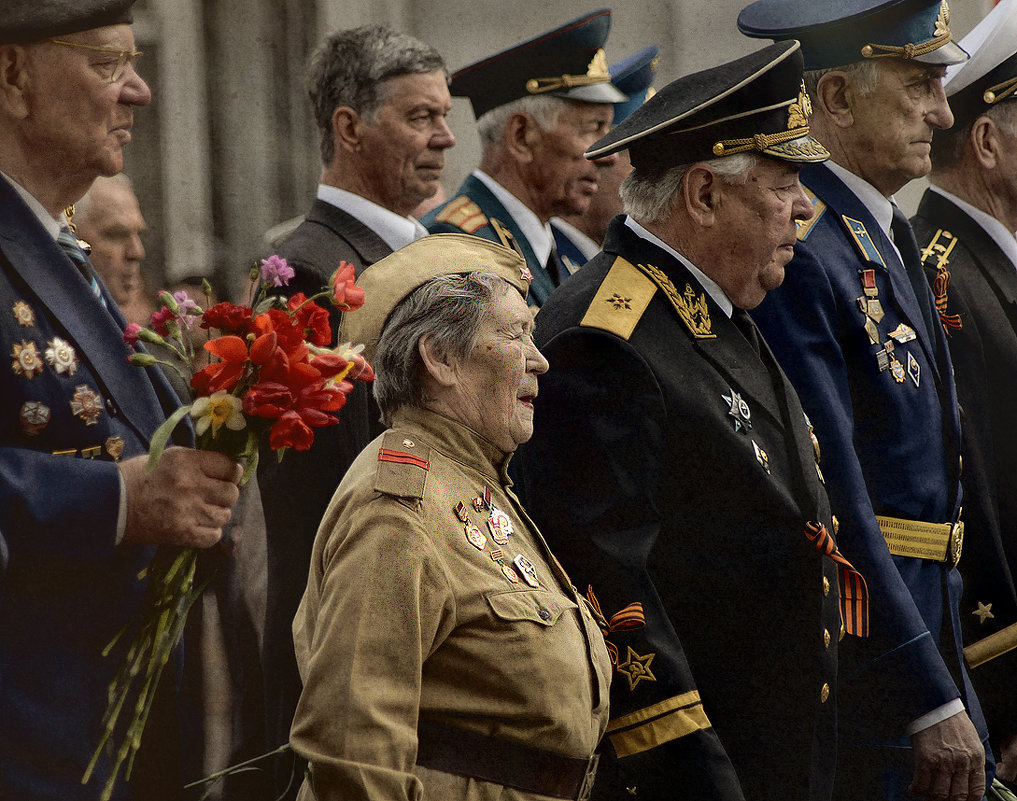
(649,196)
(85,207)
(448,307)
(350,69)
(864,74)
(542,109)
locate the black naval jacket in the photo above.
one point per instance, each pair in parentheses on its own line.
(671,467)
(975,285)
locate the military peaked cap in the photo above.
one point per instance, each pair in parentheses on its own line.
(754,104)
(633,77)
(837,33)
(991,75)
(391,279)
(566,62)
(26,21)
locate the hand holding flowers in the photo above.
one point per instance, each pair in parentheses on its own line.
(273,371)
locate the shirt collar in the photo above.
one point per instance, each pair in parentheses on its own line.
(396,231)
(538,234)
(994,228)
(584,243)
(50,223)
(875,202)
(712,287)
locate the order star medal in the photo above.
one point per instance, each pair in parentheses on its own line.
(739,410)
(500,526)
(475,536)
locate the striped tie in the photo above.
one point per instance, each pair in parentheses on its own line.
(69,244)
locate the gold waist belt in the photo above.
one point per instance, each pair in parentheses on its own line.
(937,542)
(992,646)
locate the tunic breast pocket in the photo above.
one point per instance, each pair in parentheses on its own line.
(536,606)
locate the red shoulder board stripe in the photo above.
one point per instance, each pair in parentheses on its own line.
(385,455)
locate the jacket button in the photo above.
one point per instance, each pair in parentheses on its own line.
(824,693)
(544,614)
(826,586)
(836,525)
(826,638)
(843,631)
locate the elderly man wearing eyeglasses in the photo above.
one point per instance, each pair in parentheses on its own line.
(80,516)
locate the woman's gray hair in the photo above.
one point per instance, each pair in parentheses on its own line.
(649,196)
(448,307)
(542,109)
(351,67)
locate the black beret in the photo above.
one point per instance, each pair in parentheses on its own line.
(833,34)
(567,61)
(755,103)
(27,21)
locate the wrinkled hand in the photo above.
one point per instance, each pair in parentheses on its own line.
(949,761)
(186,500)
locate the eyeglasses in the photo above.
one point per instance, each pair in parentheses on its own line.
(111,71)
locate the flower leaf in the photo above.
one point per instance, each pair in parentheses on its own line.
(162,435)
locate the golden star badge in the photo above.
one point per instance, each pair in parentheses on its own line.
(637,668)
(983,612)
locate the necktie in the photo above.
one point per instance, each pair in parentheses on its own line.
(553,266)
(69,244)
(741,318)
(904,239)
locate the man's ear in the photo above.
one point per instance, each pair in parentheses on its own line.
(701,191)
(347,127)
(835,95)
(985,142)
(14,80)
(522,135)
(441,371)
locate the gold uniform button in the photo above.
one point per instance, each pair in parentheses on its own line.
(826,638)
(843,631)
(824,693)
(826,586)
(836,525)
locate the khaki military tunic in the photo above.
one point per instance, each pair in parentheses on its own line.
(408,612)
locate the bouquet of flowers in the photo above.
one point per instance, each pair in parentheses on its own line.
(273,371)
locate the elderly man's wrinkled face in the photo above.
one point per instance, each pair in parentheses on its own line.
(498,381)
(404,146)
(113,228)
(893,124)
(76,119)
(756,224)
(560,180)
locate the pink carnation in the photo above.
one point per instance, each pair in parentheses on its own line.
(275,271)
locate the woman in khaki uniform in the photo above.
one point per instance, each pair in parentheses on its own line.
(444,652)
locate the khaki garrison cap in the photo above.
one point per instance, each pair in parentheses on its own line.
(388,281)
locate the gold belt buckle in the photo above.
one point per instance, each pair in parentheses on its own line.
(586,788)
(956,542)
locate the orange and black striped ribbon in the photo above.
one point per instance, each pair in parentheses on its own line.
(628,618)
(385,455)
(950,322)
(854,594)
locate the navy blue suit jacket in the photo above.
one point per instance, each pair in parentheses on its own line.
(891,443)
(69,587)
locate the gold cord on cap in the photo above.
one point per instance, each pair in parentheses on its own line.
(596,72)
(1000,91)
(910,51)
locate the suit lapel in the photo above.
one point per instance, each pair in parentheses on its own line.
(41,266)
(369,246)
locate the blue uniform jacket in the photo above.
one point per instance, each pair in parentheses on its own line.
(71,404)
(890,441)
(475,210)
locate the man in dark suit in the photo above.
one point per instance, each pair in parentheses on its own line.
(79,511)
(539,105)
(853,328)
(672,467)
(383,143)
(965,226)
